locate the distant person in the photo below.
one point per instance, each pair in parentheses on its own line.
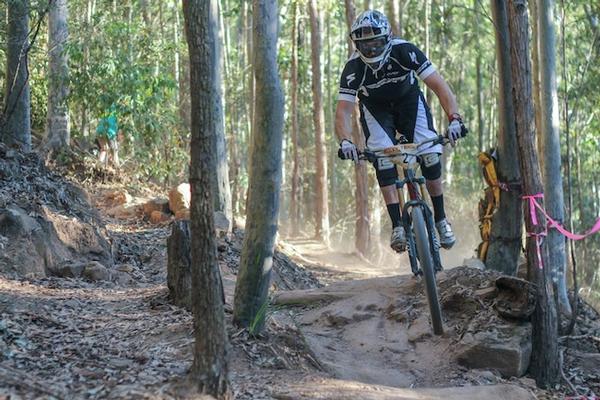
(381,76)
(107,138)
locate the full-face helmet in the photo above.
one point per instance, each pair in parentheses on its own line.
(371,35)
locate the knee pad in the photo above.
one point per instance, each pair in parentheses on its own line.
(385,171)
(431,166)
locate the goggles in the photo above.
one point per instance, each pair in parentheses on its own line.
(371,48)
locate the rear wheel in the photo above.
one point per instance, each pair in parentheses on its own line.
(427,266)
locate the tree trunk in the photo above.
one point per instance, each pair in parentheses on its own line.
(295,215)
(544,358)
(393,15)
(535,58)
(220,180)
(265,173)
(362,233)
(58,132)
(480,94)
(15,125)
(506,233)
(550,122)
(209,370)
(322,207)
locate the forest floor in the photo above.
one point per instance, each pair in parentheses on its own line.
(362,334)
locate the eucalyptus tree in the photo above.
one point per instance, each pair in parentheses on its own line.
(15,125)
(256,260)
(294,194)
(57,125)
(210,368)
(549,117)
(544,356)
(321,201)
(362,237)
(506,233)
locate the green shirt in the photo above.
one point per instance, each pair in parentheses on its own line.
(108,126)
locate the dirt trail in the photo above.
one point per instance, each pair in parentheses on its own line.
(71,338)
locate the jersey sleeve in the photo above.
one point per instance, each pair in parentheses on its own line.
(349,83)
(412,58)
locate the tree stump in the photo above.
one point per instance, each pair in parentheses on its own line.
(179,278)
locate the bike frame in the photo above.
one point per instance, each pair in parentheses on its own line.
(416,193)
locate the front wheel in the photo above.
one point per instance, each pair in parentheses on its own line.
(427,266)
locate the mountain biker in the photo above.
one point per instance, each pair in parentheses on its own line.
(381,77)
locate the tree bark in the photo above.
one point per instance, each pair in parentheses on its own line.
(550,122)
(535,58)
(265,173)
(322,206)
(362,229)
(506,235)
(58,131)
(210,368)
(220,180)
(15,125)
(393,15)
(294,206)
(544,359)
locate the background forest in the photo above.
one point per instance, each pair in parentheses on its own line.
(134,54)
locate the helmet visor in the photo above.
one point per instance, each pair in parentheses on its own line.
(366,32)
(372,48)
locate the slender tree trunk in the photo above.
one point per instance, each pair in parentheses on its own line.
(393,14)
(15,125)
(176,49)
(544,358)
(402,4)
(220,180)
(209,370)
(265,173)
(294,114)
(550,122)
(480,122)
(362,229)
(535,58)
(322,204)
(505,246)
(58,132)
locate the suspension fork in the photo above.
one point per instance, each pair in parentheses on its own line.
(400,186)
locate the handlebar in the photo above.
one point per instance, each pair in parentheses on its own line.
(370,154)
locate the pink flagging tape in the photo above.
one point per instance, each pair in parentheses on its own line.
(538,236)
(554,224)
(533,204)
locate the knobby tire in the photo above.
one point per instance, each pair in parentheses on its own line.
(428,268)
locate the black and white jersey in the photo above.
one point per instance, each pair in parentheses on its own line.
(394,81)
(390,99)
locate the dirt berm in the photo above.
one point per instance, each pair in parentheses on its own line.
(47,225)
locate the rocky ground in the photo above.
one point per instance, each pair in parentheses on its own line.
(335,329)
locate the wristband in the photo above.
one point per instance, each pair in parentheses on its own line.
(454,116)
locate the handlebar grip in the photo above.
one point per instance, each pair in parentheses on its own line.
(464,131)
(341,155)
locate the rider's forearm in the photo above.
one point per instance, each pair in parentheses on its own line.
(443,92)
(343,120)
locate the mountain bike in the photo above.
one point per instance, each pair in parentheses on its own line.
(422,243)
